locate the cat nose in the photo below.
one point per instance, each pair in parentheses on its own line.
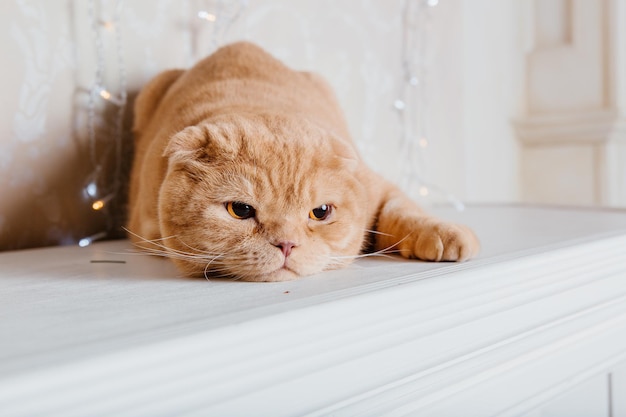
(286,247)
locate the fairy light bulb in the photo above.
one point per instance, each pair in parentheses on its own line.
(105,94)
(399,104)
(210,17)
(433,3)
(91,190)
(423,190)
(107,24)
(86,241)
(101,203)
(423,142)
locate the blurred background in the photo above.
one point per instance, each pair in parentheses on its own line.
(458,101)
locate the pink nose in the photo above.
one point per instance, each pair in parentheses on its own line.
(286,247)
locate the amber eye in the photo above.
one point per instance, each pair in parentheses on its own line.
(320,213)
(240,210)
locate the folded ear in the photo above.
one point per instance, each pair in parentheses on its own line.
(201,143)
(345,153)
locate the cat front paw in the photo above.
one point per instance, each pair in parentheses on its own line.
(440,241)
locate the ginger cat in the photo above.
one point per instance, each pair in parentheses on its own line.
(245,169)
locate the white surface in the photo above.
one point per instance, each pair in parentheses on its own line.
(542,310)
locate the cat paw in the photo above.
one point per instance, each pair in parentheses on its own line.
(440,241)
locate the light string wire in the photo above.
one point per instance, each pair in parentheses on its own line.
(123,97)
(94,189)
(220,15)
(412,103)
(221,18)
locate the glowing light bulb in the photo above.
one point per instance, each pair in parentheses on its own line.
(86,241)
(203,14)
(399,105)
(108,25)
(414,81)
(433,3)
(105,94)
(101,202)
(423,142)
(91,189)
(423,191)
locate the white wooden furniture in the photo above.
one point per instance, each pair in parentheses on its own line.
(573,128)
(535,326)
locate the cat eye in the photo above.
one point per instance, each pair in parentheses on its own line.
(240,210)
(320,213)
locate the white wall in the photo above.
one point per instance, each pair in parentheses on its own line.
(473,91)
(493,44)
(475,86)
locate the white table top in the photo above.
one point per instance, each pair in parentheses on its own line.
(57,304)
(545,298)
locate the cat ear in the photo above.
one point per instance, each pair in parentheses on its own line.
(345,153)
(195,143)
(186,144)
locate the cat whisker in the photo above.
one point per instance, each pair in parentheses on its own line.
(145,240)
(376,232)
(198,256)
(207,268)
(382,253)
(165,251)
(379,253)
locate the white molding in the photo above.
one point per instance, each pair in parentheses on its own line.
(592,127)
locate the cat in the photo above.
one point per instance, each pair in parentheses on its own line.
(244,168)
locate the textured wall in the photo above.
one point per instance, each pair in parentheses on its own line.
(56,132)
(46,150)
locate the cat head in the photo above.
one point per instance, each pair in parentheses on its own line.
(248,197)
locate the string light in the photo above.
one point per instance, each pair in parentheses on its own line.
(412,103)
(100,203)
(105,94)
(399,105)
(100,195)
(91,190)
(97,205)
(203,14)
(107,24)
(220,14)
(86,241)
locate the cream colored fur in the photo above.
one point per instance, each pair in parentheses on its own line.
(242,127)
